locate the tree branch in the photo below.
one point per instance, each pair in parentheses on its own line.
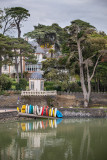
(6,27)
(95,66)
(76,58)
(88,58)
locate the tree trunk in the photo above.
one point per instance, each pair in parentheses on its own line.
(19,35)
(85,93)
(19,31)
(21,68)
(87,97)
(0,66)
(51,55)
(98,88)
(95,85)
(0,70)
(17,73)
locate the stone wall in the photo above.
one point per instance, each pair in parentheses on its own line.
(65,100)
(83,113)
(37,100)
(96,99)
(67,113)
(9,101)
(8,114)
(61,100)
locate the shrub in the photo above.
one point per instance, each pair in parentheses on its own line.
(63,86)
(49,85)
(22,84)
(58,87)
(1,92)
(74,87)
(5,82)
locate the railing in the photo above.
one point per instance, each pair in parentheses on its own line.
(38,93)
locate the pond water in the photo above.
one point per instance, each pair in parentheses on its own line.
(68,139)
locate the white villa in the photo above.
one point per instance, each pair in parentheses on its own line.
(30,68)
(39,53)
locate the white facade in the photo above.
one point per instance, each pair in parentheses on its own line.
(26,67)
(36,85)
(10,69)
(39,56)
(35,67)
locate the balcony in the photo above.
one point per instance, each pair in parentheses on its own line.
(38,93)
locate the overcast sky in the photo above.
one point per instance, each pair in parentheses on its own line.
(61,12)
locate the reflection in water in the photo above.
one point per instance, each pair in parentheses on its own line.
(33,138)
(29,126)
(73,139)
(29,135)
(85,140)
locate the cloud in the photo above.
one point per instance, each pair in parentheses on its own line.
(62,12)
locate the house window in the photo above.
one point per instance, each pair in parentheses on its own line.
(29,67)
(5,67)
(32,85)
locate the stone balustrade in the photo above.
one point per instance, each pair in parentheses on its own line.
(38,93)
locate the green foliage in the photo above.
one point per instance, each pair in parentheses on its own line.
(4,92)
(7,22)
(52,85)
(49,35)
(43,34)
(25,74)
(91,44)
(22,48)
(62,61)
(67,86)
(48,64)
(18,13)
(82,24)
(51,51)
(101,77)
(51,75)
(65,48)
(22,84)
(80,34)
(63,86)
(1,18)
(79,30)
(49,85)
(52,69)
(64,40)
(75,87)
(5,50)
(5,82)
(25,48)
